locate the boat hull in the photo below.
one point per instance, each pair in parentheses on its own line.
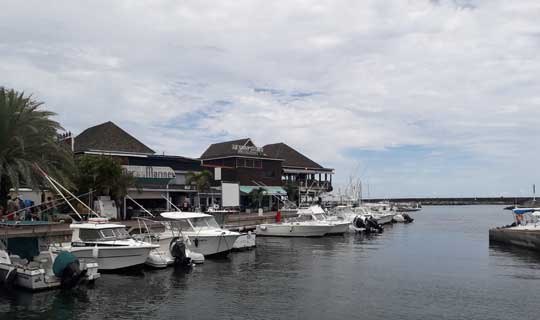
(292,230)
(339,228)
(384,218)
(113,258)
(212,245)
(245,241)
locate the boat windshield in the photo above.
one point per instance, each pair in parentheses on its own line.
(204,222)
(182,225)
(319,216)
(103,234)
(304,217)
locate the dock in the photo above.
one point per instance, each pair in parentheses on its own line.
(62,233)
(523,238)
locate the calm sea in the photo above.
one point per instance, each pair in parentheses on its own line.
(439,267)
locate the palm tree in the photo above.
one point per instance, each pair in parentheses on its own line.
(105,175)
(29,136)
(257,196)
(201,180)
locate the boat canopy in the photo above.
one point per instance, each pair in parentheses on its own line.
(270,191)
(96,226)
(179,215)
(525,210)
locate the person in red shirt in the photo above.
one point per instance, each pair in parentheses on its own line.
(278,217)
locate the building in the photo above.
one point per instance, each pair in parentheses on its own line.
(300,172)
(241,161)
(157,176)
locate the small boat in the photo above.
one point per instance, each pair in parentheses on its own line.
(245,241)
(47,270)
(107,243)
(171,242)
(110,245)
(204,234)
(316,213)
(403,218)
(383,212)
(311,222)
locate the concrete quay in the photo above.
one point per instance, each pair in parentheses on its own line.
(62,232)
(529,239)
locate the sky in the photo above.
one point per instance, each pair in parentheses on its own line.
(415,98)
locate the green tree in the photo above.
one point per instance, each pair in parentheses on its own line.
(104,175)
(257,196)
(29,136)
(201,180)
(292,191)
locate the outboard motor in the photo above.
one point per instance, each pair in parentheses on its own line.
(178,251)
(408,218)
(373,226)
(66,267)
(358,222)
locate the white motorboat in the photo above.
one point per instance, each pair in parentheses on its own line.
(107,243)
(46,270)
(382,212)
(316,213)
(311,222)
(245,241)
(403,217)
(171,242)
(204,234)
(344,213)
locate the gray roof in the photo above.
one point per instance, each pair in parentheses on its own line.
(110,138)
(291,157)
(226,149)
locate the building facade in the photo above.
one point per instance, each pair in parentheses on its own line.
(157,176)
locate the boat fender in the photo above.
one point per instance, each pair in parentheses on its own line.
(95,252)
(196,241)
(263,228)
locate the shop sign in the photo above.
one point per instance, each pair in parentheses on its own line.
(150,172)
(251,150)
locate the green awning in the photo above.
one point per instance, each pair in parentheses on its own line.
(271,191)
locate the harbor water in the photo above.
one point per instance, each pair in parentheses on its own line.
(439,267)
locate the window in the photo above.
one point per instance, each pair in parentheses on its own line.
(249,163)
(121,233)
(183,225)
(107,233)
(89,235)
(258,164)
(240,163)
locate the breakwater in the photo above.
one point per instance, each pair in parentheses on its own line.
(459,201)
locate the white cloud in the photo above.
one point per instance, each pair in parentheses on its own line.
(339,76)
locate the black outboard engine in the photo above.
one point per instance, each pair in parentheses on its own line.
(66,267)
(408,218)
(71,276)
(358,222)
(373,226)
(178,251)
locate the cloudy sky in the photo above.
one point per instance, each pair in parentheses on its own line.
(416,98)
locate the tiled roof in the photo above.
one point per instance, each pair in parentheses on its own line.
(111,138)
(291,157)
